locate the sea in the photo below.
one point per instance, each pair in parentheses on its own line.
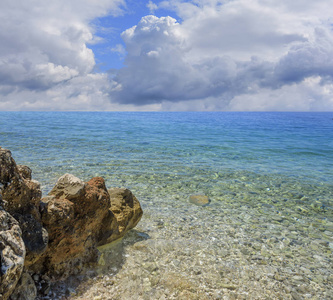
(267,232)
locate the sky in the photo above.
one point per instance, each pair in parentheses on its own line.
(172,55)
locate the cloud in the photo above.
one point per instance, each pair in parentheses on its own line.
(225,50)
(218,55)
(44,44)
(152,6)
(88,92)
(308,95)
(119,48)
(308,59)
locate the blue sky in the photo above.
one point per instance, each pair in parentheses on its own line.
(170,55)
(110,29)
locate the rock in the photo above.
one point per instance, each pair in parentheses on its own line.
(73,224)
(36,277)
(45,288)
(25,289)
(68,186)
(56,213)
(21,198)
(79,217)
(228,286)
(8,168)
(200,200)
(126,209)
(54,237)
(20,194)
(24,171)
(35,237)
(12,253)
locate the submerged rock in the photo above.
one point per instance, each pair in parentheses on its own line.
(200,200)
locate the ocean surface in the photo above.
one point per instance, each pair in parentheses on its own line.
(268,230)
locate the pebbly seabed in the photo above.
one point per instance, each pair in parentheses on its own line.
(234,248)
(267,232)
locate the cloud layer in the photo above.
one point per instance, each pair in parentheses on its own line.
(219,55)
(44,49)
(224,50)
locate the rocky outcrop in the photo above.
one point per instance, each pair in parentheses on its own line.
(57,235)
(12,253)
(81,216)
(21,198)
(20,193)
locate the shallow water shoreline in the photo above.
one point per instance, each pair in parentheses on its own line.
(251,242)
(267,232)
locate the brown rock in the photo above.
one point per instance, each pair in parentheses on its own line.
(59,234)
(200,200)
(56,213)
(73,224)
(12,253)
(79,217)
(127,210)
(24,171)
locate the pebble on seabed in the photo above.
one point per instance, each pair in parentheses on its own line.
(200,200)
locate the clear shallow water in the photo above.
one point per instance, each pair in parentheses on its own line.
(269,177)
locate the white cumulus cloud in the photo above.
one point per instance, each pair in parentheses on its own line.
(44,45)
(246,50)
(217,55)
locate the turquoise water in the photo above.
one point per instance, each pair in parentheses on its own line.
(257,168)
(295,145)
